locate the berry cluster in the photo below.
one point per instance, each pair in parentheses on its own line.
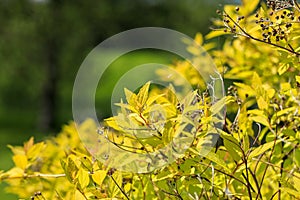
(276,26)
(280,4)
(278,29)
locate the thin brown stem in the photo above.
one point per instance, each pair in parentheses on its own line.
(256,182)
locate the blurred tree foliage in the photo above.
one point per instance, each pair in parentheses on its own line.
(43,43)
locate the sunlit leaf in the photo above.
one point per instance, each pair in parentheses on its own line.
(83,178)
(20,161)
(35,150)
(142,96)
(262,149)
(79,195)
(262,104)
(99,176)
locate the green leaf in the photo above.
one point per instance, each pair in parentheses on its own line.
(232,146)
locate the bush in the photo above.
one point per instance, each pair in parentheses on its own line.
(256,157)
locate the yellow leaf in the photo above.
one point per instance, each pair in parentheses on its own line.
(29,144)
(271,92)
(262,148)
(254,29)
(249,6)
(219,105)
(127,187)
(262,104)
(113,185)
(126,106)
(35,150)
(283,68)
(261,119)
(83,178)
(245,87)
(116,123)
(142,96)
(215,33)
(130,97)
(285,111)
(14,172)
(153,98)
(256,81)
(16,150)
(209,46)
(194,50)
(79,196)
(20,161)
(285,86)
(293,192)
(210,155)
(199,39)
(99,176)
(298,79)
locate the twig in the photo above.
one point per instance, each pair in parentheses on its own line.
(265,171)
(123,192)
(34,176)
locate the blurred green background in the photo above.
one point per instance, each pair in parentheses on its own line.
(43,43)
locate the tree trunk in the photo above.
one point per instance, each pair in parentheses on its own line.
(49,90)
